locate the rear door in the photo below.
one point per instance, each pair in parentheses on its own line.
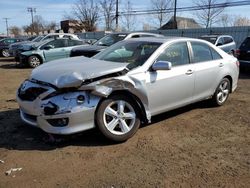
(71,44)
(207,65)
(57,51)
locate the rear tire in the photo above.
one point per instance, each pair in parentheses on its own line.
(5,53)
(34,61)
(222,92)
(117,117)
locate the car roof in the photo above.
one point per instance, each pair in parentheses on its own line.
(163,39)
(216,35)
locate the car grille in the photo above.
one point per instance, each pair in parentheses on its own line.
(31,93)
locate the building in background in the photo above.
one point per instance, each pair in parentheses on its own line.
(72,26)
(182,23)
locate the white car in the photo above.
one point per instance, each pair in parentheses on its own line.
(127,83)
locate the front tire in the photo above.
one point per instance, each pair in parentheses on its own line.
(117,117)
(222,92)
(34,61)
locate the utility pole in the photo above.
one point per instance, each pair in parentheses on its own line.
(7,26)
(32,10)
(175,21)
(116,16)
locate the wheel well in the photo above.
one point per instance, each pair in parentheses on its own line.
(133,97)
(231,82)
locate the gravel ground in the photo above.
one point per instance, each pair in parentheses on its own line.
(195,146)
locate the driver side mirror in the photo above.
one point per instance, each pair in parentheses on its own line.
(162,65)
(219,44)
(48,47)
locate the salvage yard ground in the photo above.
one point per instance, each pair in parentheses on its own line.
(195,146)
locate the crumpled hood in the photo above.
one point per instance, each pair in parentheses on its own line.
(71,72)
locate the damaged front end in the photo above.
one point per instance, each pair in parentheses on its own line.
(69,105)
(58,111)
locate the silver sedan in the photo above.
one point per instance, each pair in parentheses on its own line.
(125,85)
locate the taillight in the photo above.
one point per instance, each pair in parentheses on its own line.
(237,63)
(237,53)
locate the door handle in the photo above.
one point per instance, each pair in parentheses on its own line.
(221,65)
(189,72)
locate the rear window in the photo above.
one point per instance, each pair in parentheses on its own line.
(228,40)
(246,43)
(209,39)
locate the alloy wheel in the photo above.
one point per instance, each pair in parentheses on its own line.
(223,91)
(34,61)
(119,117)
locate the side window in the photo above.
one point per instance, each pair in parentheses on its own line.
(228,40)
(74,42)
(56,44)
(215,54)
(52,37)
(135,36)
(220,41)
(177,54)
(201,52)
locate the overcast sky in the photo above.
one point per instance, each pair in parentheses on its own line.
(54,10)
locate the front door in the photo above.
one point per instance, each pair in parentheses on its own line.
(57,51)
(169,89)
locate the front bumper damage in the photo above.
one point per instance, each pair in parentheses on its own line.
(56,112)
(69,106)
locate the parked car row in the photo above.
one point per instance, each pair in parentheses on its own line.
(31,52)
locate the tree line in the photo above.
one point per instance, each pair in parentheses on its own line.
(90,13)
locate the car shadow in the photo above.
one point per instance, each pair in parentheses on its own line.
(14,65)
(176,112)
(16,135)
(7,59)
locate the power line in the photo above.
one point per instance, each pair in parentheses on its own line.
(7,26)
(32,10)
(189,8)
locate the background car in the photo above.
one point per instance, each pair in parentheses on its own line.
(106,41)
(126,84)
(224,42)
(243,54)
(16,48)
(4,45)
(48,50)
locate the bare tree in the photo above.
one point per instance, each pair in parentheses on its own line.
(226,20)
(160,6)
(241,21)
(108,8)
(37,26)
(14,30)
(208,13)
(128,19)
(87,11)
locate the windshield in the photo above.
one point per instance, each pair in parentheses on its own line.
(37,44)
(110,39)
(133,52)
(209,39)
(38,39)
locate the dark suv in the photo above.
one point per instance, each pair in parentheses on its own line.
(243,54)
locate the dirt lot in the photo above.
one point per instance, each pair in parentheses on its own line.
(196,146)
